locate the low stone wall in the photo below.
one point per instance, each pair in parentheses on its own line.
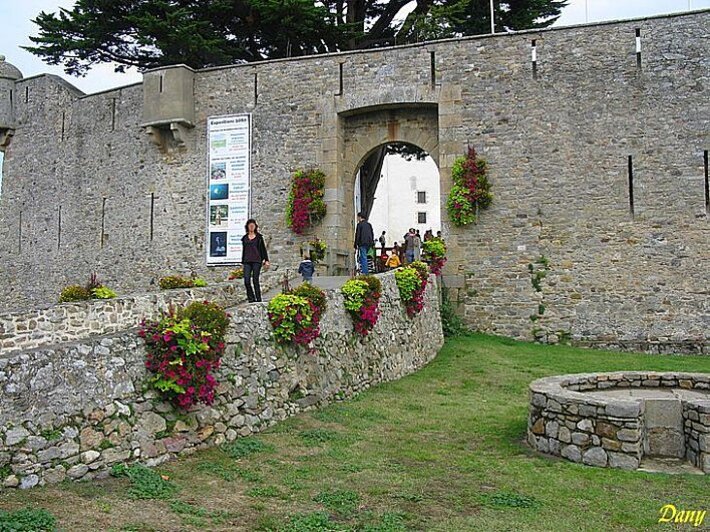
(70,322)
(75,410)
(567,420)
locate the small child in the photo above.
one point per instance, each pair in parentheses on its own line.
(393,261)
(306,269)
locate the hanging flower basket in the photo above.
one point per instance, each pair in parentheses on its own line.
(305,205)
(471,190)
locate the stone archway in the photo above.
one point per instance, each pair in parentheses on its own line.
(352,126)
(363,131)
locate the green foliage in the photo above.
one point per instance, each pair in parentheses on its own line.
(198,282)
(470,191)
(408,282)
(145,34)
(146,483)
(208,317)
(103,292)
(289,315)
(538,272)
(434,247)
(175,281)
(75,293)
(184,347)
(311,522)
(305,205)
(242,447)
(318,249)
(451,323)
(27,520)
(354,291)
(313,294)
(373,283)
(343,502)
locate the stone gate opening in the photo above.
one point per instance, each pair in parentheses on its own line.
(398,187)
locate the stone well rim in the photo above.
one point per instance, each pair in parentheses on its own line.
(557,386)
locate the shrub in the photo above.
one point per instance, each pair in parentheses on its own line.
(199,282)
(362,299)
(75,293)
(175,281)
(305,200)
(291,317)
(207,316)
(435,254)
(411,282)
(471,189)
(184,348)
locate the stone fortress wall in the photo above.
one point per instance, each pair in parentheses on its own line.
(73,410)
(561,254)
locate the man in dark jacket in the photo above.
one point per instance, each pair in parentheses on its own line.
(364,240)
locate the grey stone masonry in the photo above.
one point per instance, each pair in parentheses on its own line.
(69,322)
(614,419)
(74,410)
(559,256)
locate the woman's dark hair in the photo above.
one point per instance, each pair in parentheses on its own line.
(251,221)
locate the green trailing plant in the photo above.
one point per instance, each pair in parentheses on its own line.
(538,271)
(292,319)
(411,282)
(103,292)
(435,254)
(471,190)
(305,205)
(184,348)
(361,297)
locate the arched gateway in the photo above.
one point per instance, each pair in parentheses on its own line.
(426,119)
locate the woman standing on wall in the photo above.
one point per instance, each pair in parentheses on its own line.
(254,255)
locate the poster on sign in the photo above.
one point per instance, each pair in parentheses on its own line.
(228,186)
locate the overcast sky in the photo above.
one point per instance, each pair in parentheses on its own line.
(15,27)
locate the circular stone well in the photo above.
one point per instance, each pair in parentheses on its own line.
(617,419)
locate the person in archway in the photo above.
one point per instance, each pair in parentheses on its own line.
(254,256)
(383,241)
(364,240)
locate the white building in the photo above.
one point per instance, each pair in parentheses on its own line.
(408,195)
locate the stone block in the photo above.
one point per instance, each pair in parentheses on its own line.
(623,461)
(596,456)
(572,452)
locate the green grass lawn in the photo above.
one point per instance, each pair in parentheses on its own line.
(439,450)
